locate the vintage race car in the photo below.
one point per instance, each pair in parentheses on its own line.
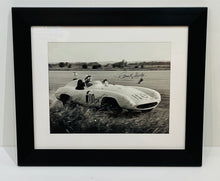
(110,97)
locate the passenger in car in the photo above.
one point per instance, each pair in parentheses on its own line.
(105,82)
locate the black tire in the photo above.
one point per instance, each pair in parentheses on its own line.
(111,105)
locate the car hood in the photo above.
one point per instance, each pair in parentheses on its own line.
(137,96)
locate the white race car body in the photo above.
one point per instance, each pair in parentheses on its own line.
(127,97)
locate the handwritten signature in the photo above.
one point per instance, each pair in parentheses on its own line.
(130,75)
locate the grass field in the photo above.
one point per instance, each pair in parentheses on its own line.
(79,119)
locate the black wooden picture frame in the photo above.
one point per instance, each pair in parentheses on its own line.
(194,18)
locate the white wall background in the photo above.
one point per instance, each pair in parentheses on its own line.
(212,90)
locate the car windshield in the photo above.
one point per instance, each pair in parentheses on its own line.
(89,84)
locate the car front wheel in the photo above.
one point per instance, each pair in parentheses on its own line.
(111,105)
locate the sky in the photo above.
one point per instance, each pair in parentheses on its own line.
(108,52)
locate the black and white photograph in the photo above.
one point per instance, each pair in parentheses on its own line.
(109,87)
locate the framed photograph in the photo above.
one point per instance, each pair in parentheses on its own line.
(109,86)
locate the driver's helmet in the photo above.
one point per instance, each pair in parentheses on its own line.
(88,78)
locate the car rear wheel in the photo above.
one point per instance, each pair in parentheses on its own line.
(110,104)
